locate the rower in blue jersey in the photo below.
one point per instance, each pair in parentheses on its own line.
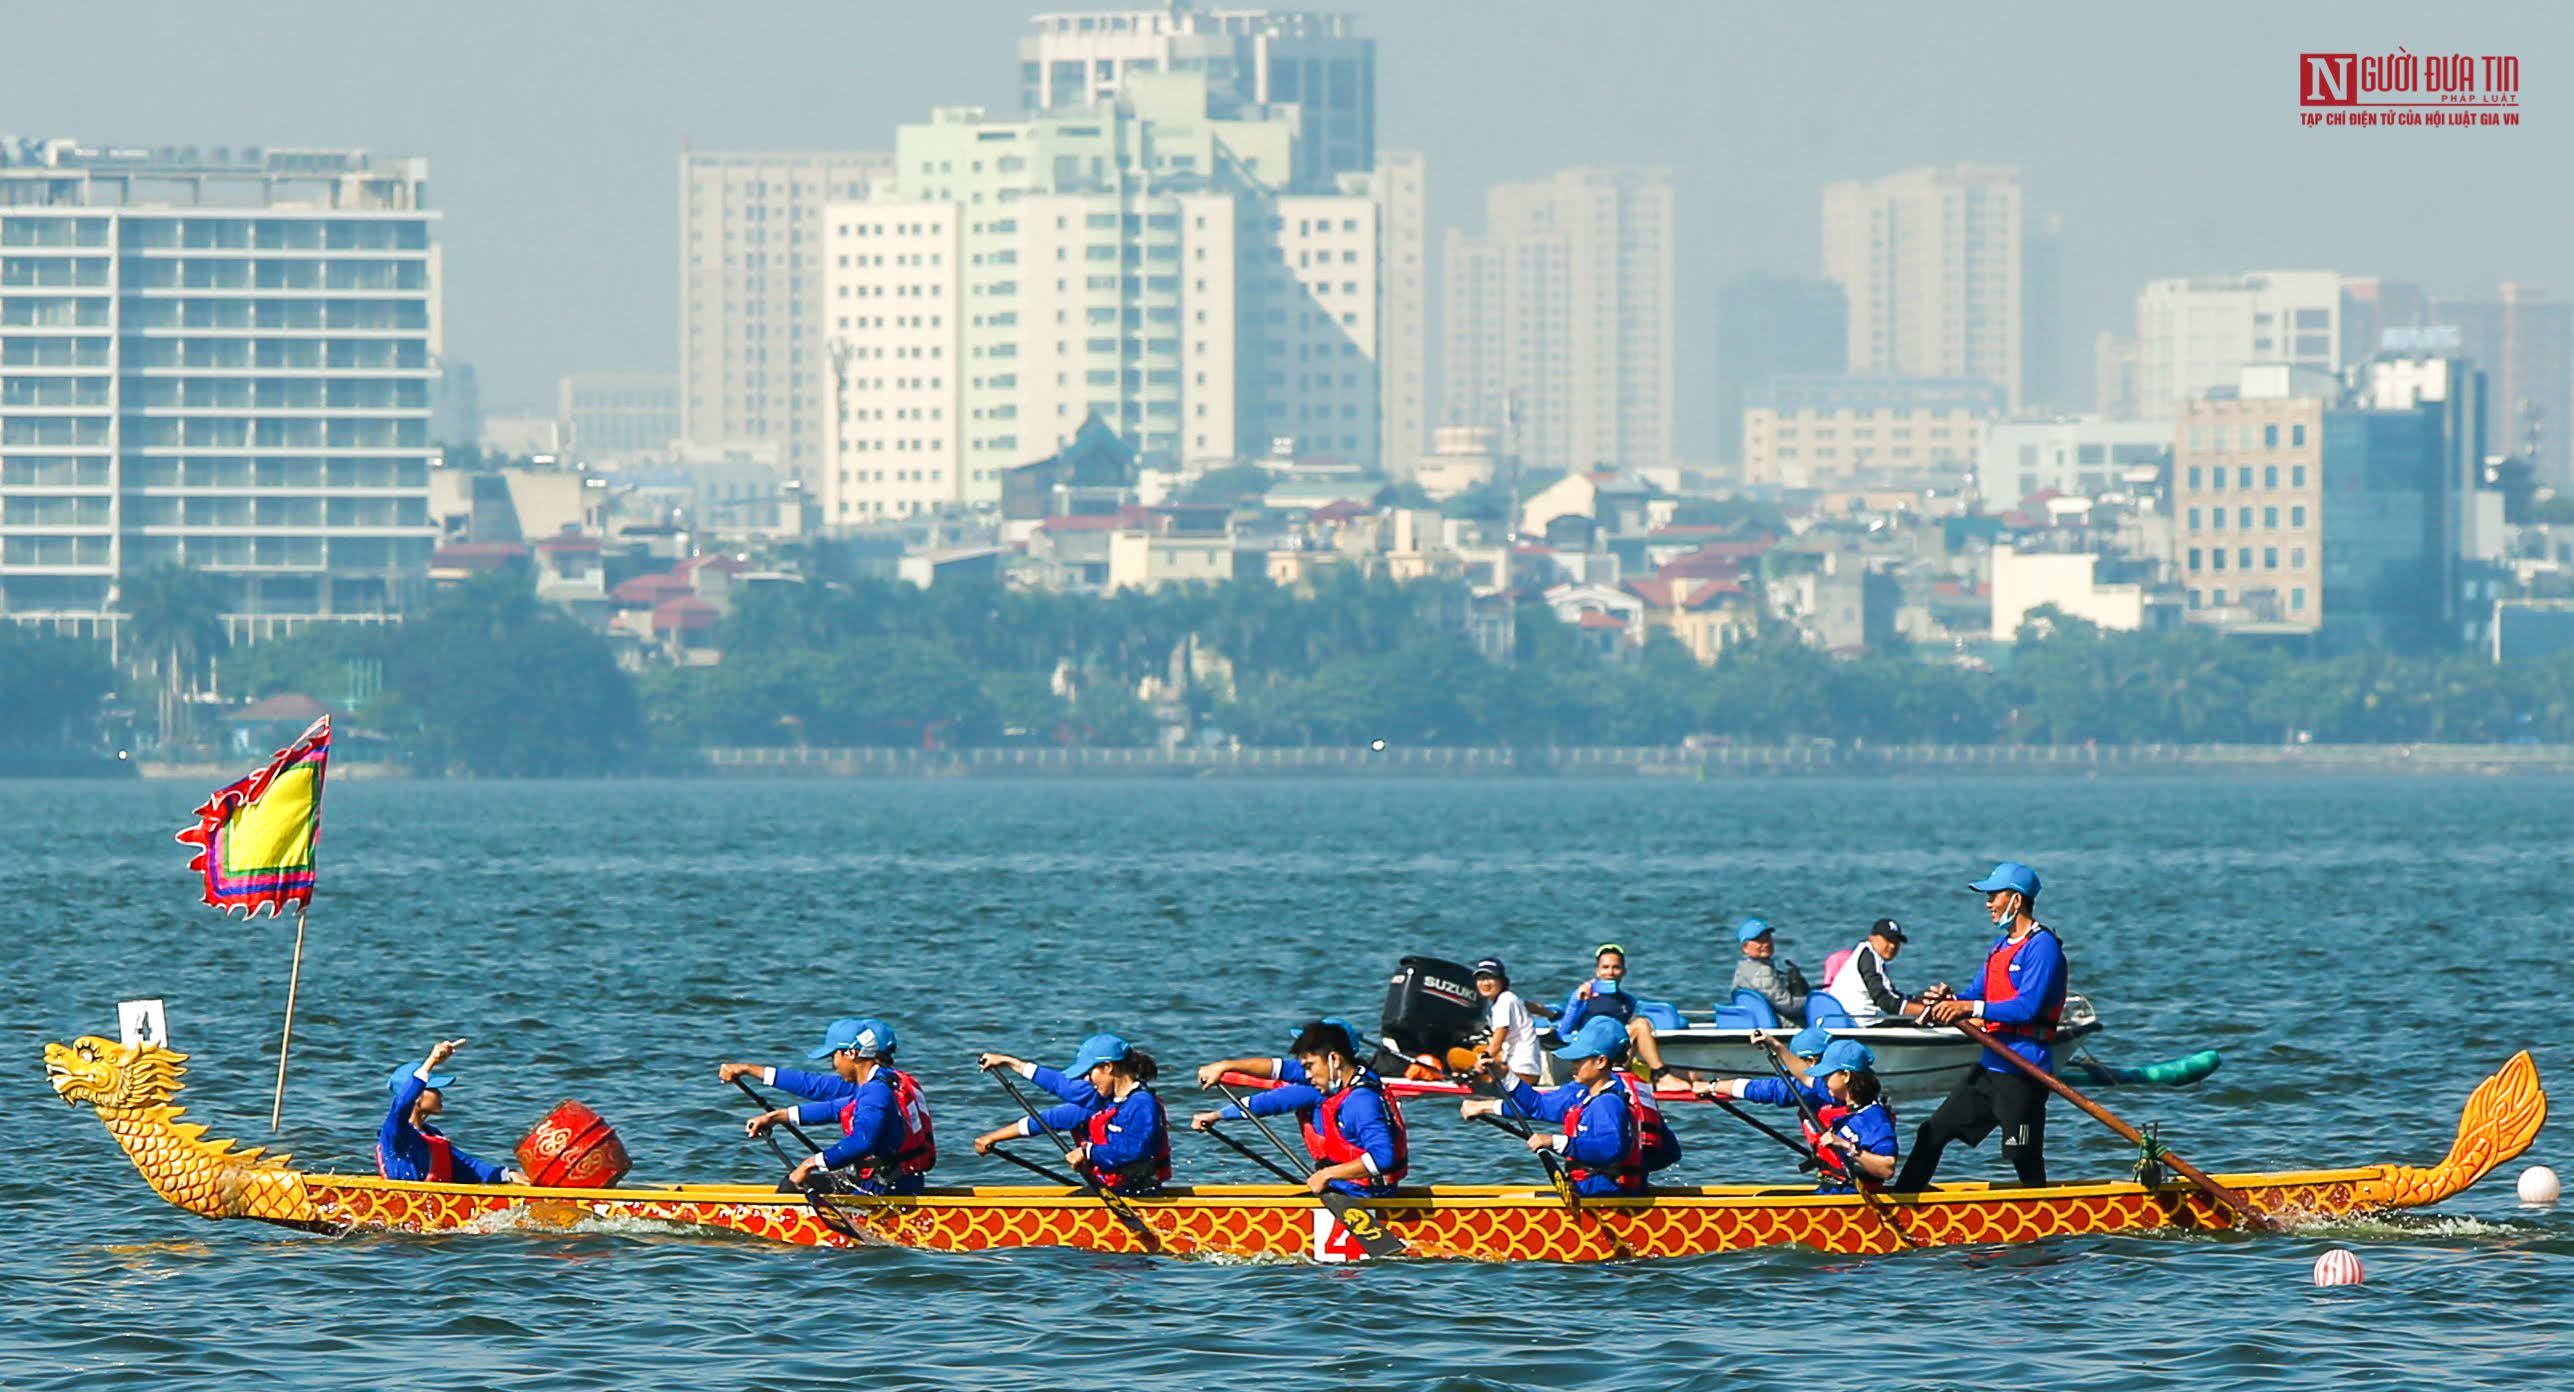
(1121,1137)
(1840,1108)
(886,1145)
(410,1146)
(1352,1128)
(1611,1131)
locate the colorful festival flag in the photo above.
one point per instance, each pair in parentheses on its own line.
(256,838)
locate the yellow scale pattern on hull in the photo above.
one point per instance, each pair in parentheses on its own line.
(131,1085)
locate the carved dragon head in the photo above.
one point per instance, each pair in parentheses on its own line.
(113,1077)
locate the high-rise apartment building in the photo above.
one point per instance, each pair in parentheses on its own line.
(2195,334)
(2302,507)
(1559,320)
(1401,188)
(1772,326)
(2524,341)
(754,365)
(1931,261)
(1312,66)
(1136,262)
(219,359)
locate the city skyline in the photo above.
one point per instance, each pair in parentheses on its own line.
(558,249)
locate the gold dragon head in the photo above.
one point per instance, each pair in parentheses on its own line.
(113,1077)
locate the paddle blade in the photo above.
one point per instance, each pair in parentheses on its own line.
(1364,1226)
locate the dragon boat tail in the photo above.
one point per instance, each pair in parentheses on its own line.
(132,1086)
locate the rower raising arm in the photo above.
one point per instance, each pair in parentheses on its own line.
(1121,1136)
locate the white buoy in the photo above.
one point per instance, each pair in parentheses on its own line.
(2338,1267)
(1377,745)
(2538,1187)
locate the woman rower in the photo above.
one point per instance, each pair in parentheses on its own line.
(1123,1140)
(886,1145)
(1613,1134)
(1352,1128)
(1852,1132)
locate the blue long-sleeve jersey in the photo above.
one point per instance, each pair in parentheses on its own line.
(403,1151)
(1774,1093)
(1136,1126)
(2038,977)
(875,1124)
(1602,1137)
(1872,1129)
(1362,1117)
(818,1087)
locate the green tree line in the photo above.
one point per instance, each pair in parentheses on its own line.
(488,680)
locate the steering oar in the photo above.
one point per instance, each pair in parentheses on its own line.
(2226,1199)
(1115,1205)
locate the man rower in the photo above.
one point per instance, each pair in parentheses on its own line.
(1612,1132)
(1864,988)
(1849,1129)
(409,1146)
(884,1121)
(1605,996)
(1121,1137)
(1763,972)
(1352,1128)
(2018,998)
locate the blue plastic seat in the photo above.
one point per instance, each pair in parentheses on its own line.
(1747,1010)
(1822,1008)
(1662,1015)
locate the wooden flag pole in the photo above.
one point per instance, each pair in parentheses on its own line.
(286,1040)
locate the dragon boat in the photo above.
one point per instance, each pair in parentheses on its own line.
(131,1087)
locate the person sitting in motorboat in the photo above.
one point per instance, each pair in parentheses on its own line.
(1510,1038)
(1763,972)
(410,1146)
(1866,990)
(1612,1134)
(1353,1129)
(1121,1137)
(886,1144)
(1605,996)
(1838,1100)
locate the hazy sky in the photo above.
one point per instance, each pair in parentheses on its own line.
(2166,133)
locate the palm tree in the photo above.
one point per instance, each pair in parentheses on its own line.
(173,629)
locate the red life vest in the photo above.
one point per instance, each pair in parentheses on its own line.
(1153,1168)
(1629,1171)
(915,1148)
(442,1158)
(1824,1119)
(1998,987)
(1661,1145)
(1323,1138)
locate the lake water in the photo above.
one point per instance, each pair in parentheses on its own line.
(2362,951)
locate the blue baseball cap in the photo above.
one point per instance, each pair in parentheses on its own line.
(2010,875)
(1810,1042)
(1752,928)
(866,1037)
(437,1081)
(1094,1051)
(1844,1056)
(1601,1038)
(1358,1049)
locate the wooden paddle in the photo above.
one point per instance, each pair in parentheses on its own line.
(814,1190)
(1361,1222)
(1134,1222)
(2225,1198)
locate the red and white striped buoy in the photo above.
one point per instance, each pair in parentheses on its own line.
(2338,1267)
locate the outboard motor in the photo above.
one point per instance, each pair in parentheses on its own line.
(1430,1008)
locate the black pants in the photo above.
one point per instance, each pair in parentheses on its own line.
(1981,1101)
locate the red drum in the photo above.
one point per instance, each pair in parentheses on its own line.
(573,1148)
